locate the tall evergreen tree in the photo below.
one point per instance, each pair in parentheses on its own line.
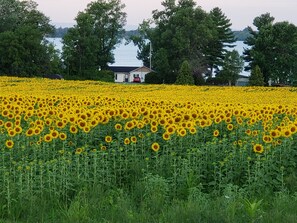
(232,66)
(89,45)
(224,38)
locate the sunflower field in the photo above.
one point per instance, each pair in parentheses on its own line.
(59,137)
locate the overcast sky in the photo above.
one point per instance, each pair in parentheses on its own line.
(240,12)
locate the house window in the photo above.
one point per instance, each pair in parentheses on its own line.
(116,76)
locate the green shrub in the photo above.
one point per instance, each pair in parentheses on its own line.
(185,76)
(153,78)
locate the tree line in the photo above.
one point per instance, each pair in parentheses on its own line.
(182,43)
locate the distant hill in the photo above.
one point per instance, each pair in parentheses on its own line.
(239,35)
(59,32)
(130,33)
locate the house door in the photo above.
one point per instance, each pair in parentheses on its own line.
(126,78)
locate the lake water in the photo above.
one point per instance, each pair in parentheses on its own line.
(125,55)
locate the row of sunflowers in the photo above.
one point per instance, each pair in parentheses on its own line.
(56,135)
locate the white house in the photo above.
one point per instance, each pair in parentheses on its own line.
(123,74)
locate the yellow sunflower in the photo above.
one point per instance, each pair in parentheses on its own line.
(181,132)
(18,129)
(9,144)
(54,134)
(73,129)
(193,130)
(126,141)
(118,127)
(103,148)
(274,133)
(154,129)
(258,148)
(30,132)
(62,136)
(267,138)
(11,132)
(216,133)
(78,151)
(108,139)
(133,139)
(230,127)
(155,146)
(48,138)
(286,133)
(166,136)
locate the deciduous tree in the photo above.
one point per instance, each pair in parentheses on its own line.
(183,31)
(178,32)
(273,47)
(23,49)
(89,45)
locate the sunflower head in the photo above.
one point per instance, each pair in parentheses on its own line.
(48,138)
(118,127)
(216,133)
(133,139)
(62,136)
(126,141)
(73,129)
(155,146)
(230,127)
(108,139)
(258,148)
(166,136)
(9,144)
(78,151)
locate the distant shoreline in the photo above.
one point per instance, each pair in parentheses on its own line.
(59,32)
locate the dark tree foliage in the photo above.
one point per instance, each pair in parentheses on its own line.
(153,78)
(185,76)
(224,38)
(182,31)
(256,78)
(89,45)
(232,66)
(23,49)
(273,47)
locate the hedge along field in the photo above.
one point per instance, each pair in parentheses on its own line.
(60,136)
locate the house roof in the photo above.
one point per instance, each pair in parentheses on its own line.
(122,69)
(243,76)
